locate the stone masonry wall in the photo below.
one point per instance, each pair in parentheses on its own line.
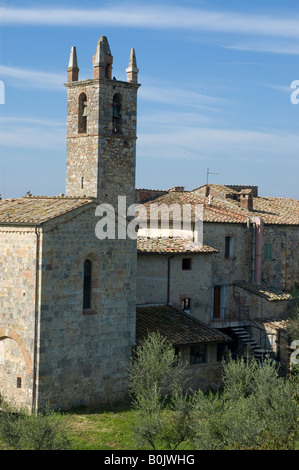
(83,355)
(152,282)
(282,270)
(17,313)
(103,158)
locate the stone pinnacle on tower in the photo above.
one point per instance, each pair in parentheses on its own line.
(102,60)
(132,70)
(73,70)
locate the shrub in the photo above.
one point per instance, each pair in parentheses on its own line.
(24,431)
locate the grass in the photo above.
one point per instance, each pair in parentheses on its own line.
(105,428)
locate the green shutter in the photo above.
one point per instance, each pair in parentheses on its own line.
(268,252)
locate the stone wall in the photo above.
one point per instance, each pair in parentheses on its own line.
(105,159)
(282,270)
(160,278)
(18,247)
(83,355)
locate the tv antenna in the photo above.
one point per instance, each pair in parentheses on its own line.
(210,173)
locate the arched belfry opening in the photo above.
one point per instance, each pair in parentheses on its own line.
(82,114)
(116,113)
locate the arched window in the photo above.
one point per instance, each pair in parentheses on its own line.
(116,113)
(87,284)
(82,114)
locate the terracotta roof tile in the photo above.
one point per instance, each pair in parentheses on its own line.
(275,324)
(273,210)
(178,327)
(171,245)
(30,210)
(263,290)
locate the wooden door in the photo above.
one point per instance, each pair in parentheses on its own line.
(217,303)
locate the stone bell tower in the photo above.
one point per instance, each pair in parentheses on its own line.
(101,129)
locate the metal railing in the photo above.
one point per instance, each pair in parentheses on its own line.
(229,316)
(264,339)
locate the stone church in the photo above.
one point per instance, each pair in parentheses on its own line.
(56,274)
(74,301)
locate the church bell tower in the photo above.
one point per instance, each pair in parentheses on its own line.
(101,129)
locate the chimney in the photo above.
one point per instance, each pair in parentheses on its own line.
(246,200)
(176,188)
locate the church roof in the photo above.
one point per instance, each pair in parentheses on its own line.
(177,327)
(171,245)
(31,210)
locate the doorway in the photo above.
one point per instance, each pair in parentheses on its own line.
(219,302)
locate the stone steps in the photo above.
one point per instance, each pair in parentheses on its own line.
(247,339)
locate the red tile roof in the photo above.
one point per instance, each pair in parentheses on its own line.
(176,326)
(263,290)
(273,210)
(30,210)
(171,245)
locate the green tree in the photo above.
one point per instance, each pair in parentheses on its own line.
(293,316)
(157,387)
(257,409)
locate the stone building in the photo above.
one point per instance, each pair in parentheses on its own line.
(75,298)
(67,298)
(236,275)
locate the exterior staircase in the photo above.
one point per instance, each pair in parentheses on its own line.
(247,341)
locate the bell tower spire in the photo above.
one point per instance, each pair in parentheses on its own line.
(132,70)
(73,70)
(102,60)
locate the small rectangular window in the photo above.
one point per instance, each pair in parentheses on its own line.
(19,382)
(268,251)
(186,304)
(198,354)
(186,264)
(87,285)
(229,247)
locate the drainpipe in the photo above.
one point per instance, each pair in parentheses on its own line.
(253,255)
(168,278)
(257,242)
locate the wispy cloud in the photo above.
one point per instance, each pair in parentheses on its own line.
(30,120)
(155,16)
(33,78)
(31,137)
(204,142)
(179,97)
(272,48)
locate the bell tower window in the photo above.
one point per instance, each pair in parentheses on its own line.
(82,114)
(117,108)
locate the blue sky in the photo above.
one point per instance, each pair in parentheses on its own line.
(215,76)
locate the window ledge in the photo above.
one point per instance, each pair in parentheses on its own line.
(89,311)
